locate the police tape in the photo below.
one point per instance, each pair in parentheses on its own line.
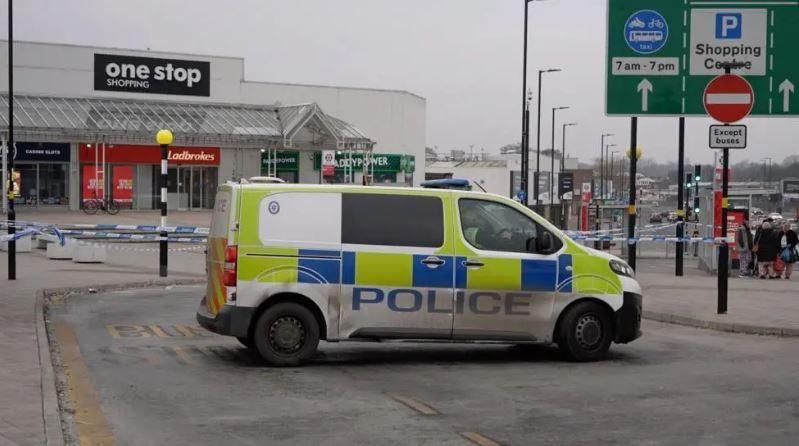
(111,227)
(663,239)
(136,237)
(31,231)
(135,247)
(647,228)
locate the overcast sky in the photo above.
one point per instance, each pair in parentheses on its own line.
(464,56)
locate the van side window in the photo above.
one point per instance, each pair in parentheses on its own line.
(392,220)
(493,226)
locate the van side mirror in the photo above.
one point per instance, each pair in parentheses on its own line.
(531,245)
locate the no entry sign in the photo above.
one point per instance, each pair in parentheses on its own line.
(728,98)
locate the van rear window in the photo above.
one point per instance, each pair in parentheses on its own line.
(392,220)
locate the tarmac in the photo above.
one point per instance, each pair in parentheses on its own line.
(765,307)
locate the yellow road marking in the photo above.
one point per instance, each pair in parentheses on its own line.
(480,439)
(182,356)
(416,405)
(185,330)
(159,331)
(113,331)
(93,428)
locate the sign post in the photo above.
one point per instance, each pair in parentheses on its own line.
(728,98)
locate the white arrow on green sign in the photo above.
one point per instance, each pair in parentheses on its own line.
(662,53)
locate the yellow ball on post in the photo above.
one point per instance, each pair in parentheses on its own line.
(638,153)
(164,137)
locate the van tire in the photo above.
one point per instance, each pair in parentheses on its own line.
(585,332)
(286,334)
(247,342)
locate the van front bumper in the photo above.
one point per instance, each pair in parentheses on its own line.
(230,321)
(628,318)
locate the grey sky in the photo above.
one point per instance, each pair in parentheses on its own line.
(464,56)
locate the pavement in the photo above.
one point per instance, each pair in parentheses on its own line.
(21,379)
(764,307)
(141,372)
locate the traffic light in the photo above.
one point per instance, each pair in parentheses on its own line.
(697,173)
(688,180)
(696,208)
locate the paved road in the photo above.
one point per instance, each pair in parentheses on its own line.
(140,371)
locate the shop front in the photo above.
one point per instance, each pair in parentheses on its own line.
(41,174)
(285,164)
(129,174)
(386,168)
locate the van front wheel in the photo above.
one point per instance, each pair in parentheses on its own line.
(286,334)
(585,332)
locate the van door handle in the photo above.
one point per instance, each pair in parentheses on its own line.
(474,263)
(433,262)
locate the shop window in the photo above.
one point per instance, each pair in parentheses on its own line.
(53,184)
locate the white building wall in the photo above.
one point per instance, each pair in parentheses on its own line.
(396,120)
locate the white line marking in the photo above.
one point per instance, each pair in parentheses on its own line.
(770,84)
(772,17)
(685,18)
(771,40)
(683,104)
(684,39)
(769,105)
(770,61)
(683,84)
(728,98)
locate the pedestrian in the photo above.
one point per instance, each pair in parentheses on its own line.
(767,248)
(743,241)
(788,248)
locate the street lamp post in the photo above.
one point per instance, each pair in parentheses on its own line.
(164,139)
(564,221)
(538,139)
(11,150)
(602,165)
(552,161)
(612,182)
(525,144)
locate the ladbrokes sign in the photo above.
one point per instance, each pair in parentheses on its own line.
(150,75)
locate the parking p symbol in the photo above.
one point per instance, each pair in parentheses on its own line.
(728,25)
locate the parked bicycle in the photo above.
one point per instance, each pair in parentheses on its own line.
(91,206)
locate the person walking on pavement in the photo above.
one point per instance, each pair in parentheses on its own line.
(767,246)
(743,241)
(788,243)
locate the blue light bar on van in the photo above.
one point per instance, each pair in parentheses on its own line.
(447,183)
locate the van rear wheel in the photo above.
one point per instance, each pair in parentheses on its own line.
(585,332)
(286,334)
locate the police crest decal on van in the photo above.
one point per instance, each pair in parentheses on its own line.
(274,207)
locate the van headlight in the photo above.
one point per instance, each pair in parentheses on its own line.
(621,268)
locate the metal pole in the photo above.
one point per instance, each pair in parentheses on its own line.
(564,217)
(724,249)
(610,176)
(678,258)
(538,147)
(525,114)
(631,211)
(163,247)
(552,165)
(12,215)
(602,167)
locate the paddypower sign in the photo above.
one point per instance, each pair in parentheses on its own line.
(661,54)
(135,74)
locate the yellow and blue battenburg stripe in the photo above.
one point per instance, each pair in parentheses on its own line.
(399,269)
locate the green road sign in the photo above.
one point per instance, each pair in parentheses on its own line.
(662,53)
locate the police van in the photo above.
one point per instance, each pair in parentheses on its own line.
(289,265)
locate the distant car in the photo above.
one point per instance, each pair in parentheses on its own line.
(656,218)
(775,216)
(672,217)
(757,211)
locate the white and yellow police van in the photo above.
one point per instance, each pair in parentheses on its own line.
(288,265)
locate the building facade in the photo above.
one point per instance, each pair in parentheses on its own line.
(85,120)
